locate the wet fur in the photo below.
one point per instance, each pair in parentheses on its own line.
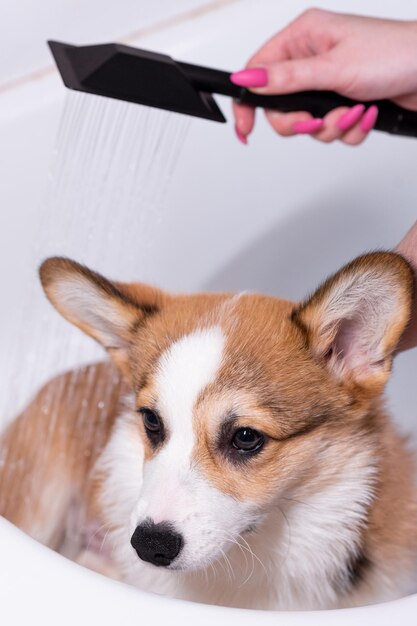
(329,505)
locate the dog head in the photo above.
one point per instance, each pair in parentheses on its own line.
(239,402)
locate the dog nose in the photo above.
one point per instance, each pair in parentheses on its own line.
(157,543)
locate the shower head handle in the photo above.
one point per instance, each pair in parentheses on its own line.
(144,77)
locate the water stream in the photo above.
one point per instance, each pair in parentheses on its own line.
(105,196)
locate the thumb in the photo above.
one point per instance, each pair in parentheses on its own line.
(311,73)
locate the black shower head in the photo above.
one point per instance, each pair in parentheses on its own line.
(133,75)
(157,80)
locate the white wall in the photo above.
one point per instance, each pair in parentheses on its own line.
(25,26)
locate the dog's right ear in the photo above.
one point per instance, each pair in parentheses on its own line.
(107,311)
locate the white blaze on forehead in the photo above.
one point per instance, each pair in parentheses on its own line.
(184,370)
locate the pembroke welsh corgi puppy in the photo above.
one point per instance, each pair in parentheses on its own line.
(235,449)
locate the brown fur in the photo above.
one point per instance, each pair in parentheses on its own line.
(276,377)
(56,441)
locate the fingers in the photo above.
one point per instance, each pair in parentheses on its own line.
(289,124)
(349,125)
(316,72)
(244,121)
(360,131)
(337,122)
(302,123)
(292,60)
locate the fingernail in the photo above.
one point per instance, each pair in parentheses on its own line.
(369,119)
(349,119)
(253,77)
(307,127)
(242,138)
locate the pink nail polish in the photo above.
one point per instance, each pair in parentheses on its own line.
(307,127)
(351,117)
(242,138)
(253,77)
(369,119)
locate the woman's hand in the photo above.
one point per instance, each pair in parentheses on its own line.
(360,57)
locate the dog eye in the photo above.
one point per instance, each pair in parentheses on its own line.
(247,440)
(151,421)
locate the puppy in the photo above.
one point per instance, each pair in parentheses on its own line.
(235,449)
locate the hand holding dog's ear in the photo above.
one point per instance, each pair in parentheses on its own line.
(107,311)
(354,321)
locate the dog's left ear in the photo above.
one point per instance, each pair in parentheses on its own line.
(354,321)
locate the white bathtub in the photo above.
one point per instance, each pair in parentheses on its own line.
(276,216)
